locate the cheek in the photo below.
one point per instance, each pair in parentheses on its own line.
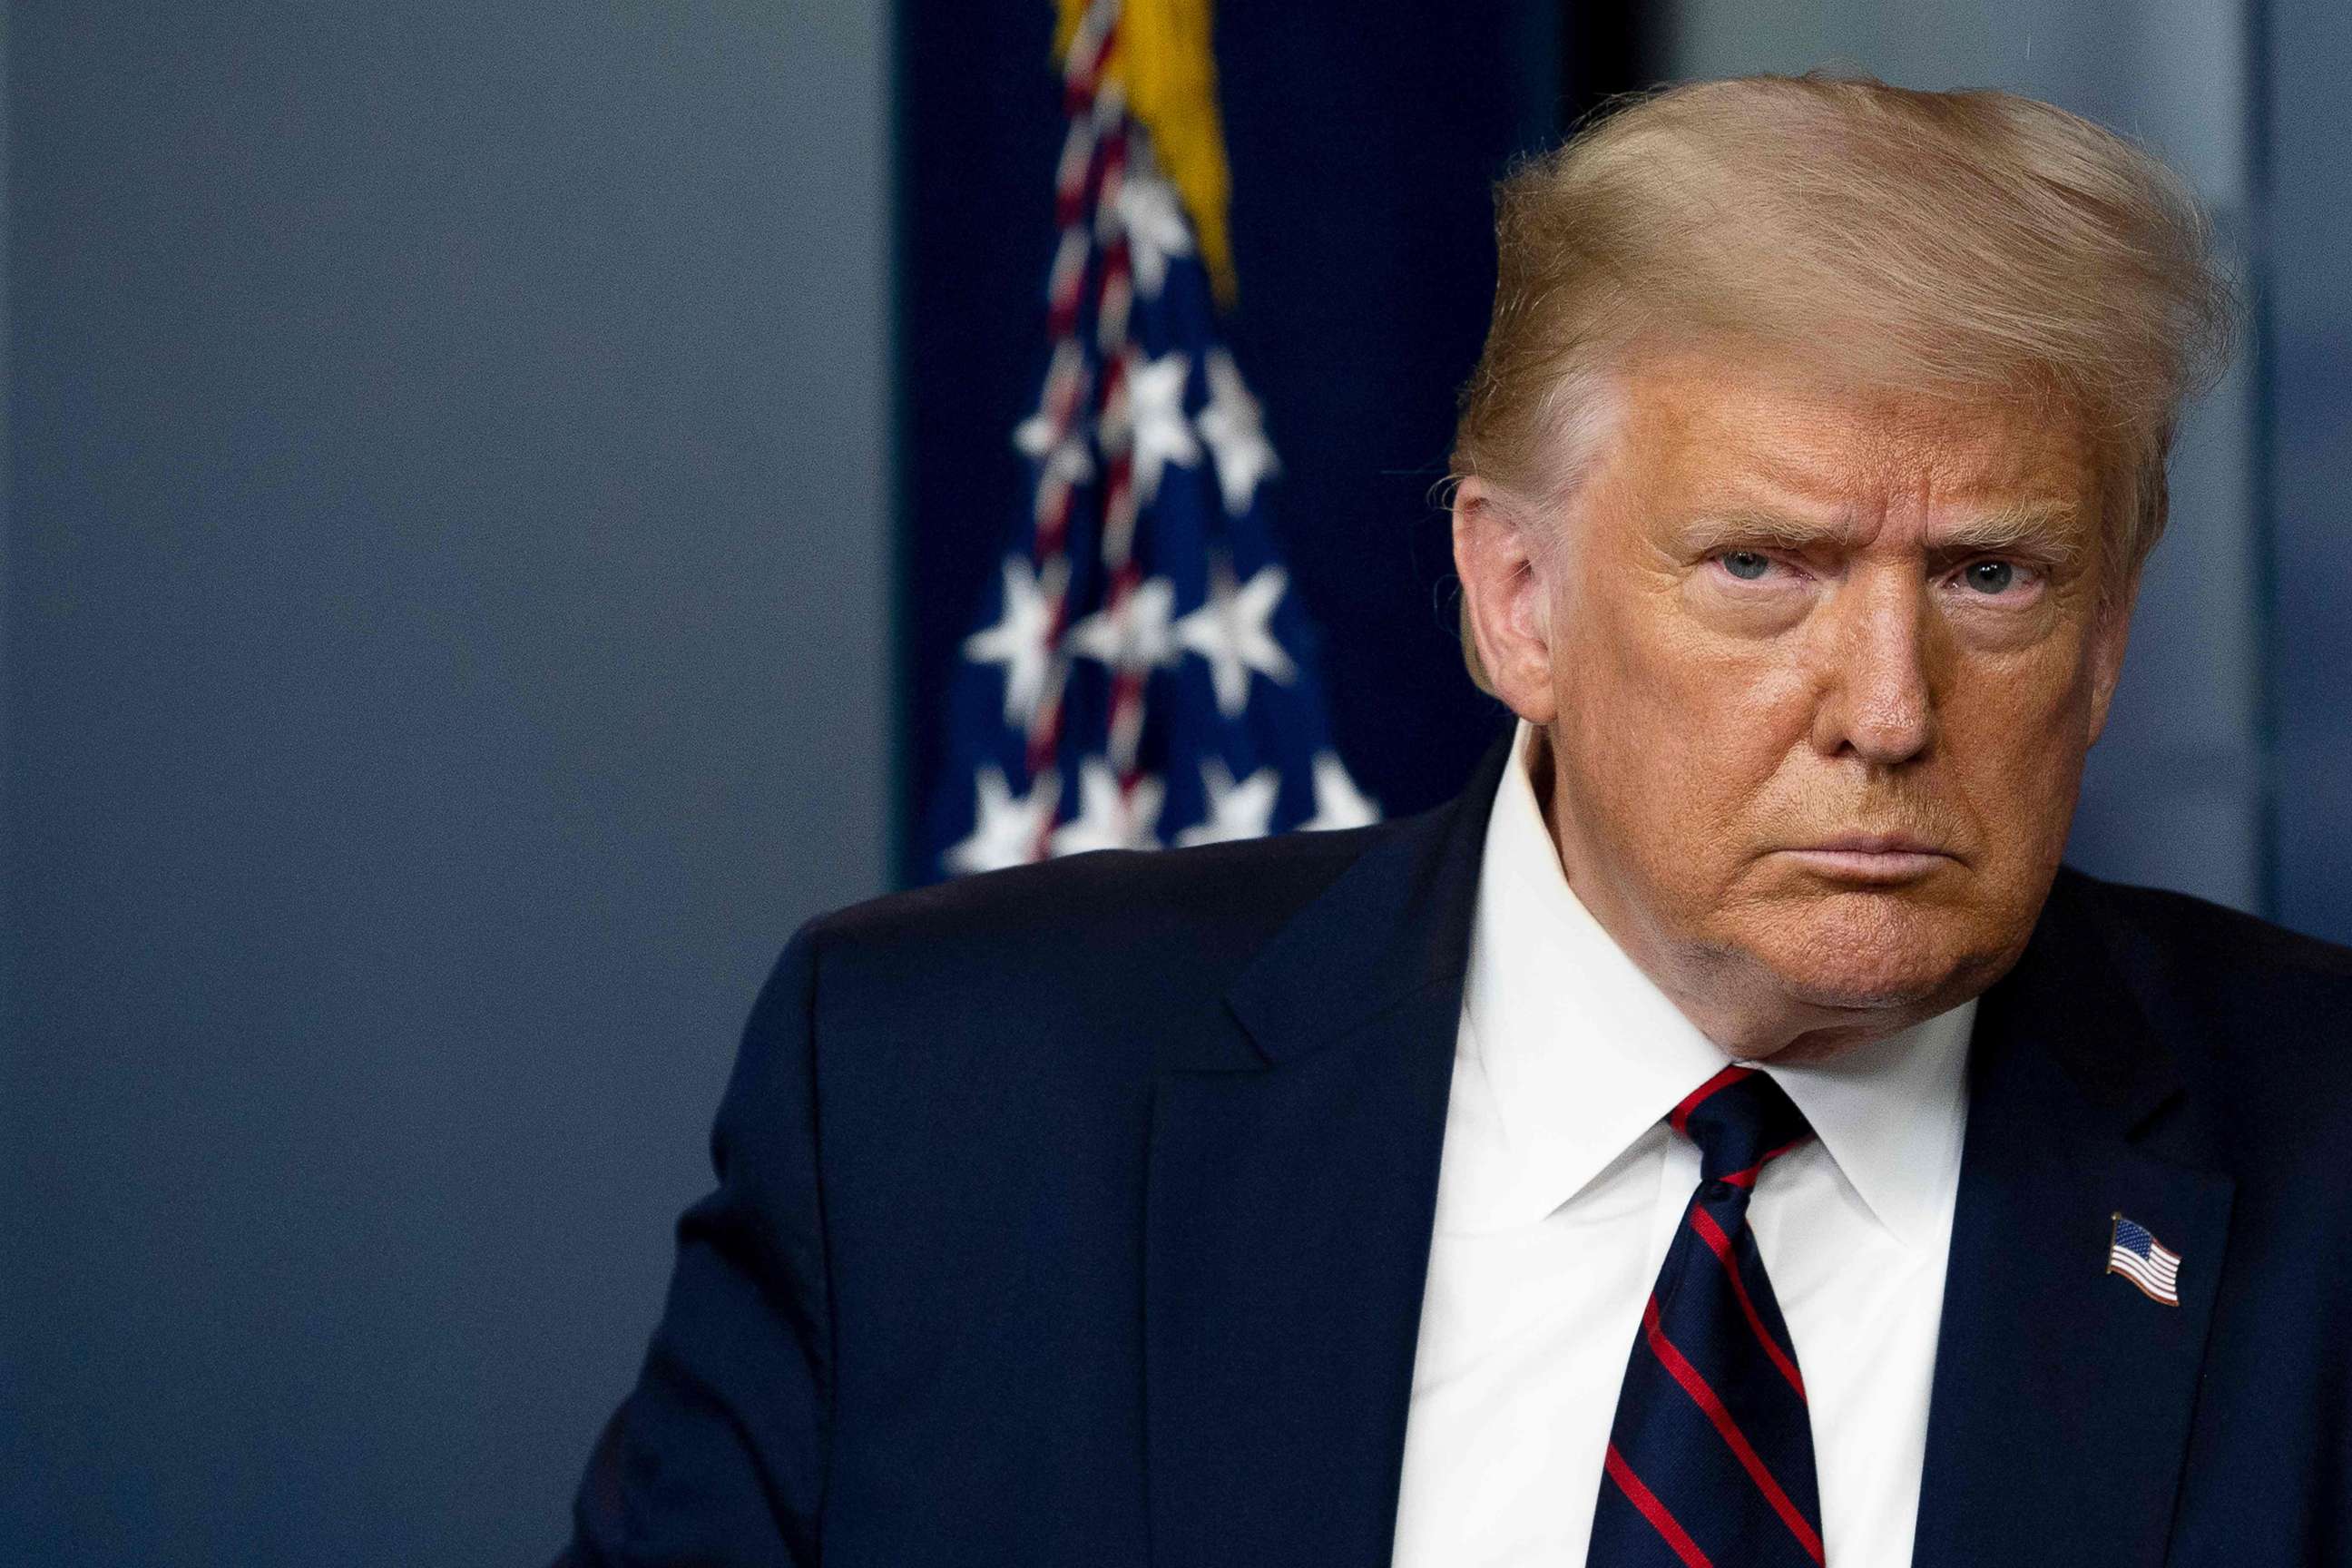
(1725,708)
(2017,771)
(2017,730)
(1679,732)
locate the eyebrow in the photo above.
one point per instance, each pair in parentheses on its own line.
(2053,532)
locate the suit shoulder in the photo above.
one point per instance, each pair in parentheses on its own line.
(1220,885)
(2260,1014)
(2187,930)
(1092,940)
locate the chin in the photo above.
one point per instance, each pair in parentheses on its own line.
(1875,953)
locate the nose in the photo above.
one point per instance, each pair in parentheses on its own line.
(1878,696)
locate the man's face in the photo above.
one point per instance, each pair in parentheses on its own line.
(1818,672)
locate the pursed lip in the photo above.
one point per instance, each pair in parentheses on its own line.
(1877,857)
(1875,844)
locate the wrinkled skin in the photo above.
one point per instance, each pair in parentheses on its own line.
(1777,616)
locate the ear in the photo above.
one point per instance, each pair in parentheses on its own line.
(1505,598)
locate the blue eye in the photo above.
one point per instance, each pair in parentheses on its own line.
(1991,576)
(1746,564)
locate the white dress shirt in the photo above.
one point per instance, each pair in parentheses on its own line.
(1559,1192)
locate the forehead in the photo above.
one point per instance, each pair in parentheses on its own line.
(1754,432)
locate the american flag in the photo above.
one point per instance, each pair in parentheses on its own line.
(1141,673)
(2146,1262)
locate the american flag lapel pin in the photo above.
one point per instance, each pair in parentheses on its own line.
(2134,1252)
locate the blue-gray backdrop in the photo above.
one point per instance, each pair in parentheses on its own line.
(453,612)
(446,652)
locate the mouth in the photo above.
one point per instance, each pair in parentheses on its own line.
(1882,859)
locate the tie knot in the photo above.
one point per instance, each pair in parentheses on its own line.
(1739,1118)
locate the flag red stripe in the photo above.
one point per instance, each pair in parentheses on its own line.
(1720,1245)
(1708,1402)
(1660,1518)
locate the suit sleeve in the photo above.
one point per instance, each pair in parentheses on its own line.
(719,1455)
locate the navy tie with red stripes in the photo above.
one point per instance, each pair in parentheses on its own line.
(1711,1456)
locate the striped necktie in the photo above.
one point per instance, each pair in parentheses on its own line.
(1710,1460)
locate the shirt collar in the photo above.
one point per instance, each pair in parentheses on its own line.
(1584,1053)
(1892,1115)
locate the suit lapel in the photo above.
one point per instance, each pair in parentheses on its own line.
(1289,1213)
(2063,1395)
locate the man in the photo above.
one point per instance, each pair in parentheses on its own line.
(1722,1135)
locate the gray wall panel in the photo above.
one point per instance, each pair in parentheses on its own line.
(446,653)
(2311,315)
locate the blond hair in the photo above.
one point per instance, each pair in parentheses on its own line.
(1962,244)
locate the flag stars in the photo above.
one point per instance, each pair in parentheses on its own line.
(1006,827)
(1136,634)
(1161,429)
(1242,810)
(1151,215)
(1109,818)
(1056,435)
(1022,638)
(1110,420)
(1337,802)
(1233,631)
(1236,437)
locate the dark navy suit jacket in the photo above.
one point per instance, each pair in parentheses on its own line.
(1078,1216)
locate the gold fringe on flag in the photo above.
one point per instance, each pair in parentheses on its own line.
(1164,67)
